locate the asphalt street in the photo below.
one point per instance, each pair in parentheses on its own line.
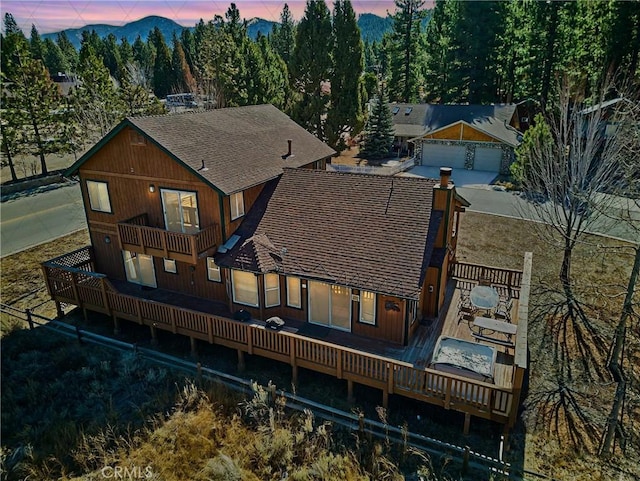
(31,219)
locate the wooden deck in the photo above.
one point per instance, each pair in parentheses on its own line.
(392,369)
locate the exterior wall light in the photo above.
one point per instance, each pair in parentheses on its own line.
(152,188)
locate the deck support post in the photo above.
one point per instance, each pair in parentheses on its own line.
(465,460)
(385,398)
(194,347)
(84,314)
(241,363)
(154,335)
(116,325)
(294,374)
(59,311)
(350,397)
(467,423)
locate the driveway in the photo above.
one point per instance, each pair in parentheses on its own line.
(460,177)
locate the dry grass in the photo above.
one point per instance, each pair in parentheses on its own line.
(22,282)
(552,418)
(568,400)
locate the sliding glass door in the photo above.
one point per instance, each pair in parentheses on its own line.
(330,305)
(139,268)
(180,211)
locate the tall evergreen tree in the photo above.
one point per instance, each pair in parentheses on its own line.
(12,41)
(183,80)
(407,21)
(378,134)
(162,70)
(68,50)
(96,105)
(110,53)
(31,105)
(275,75)
(310,67)
(283,35)
(54,59)
(345,112)
(36,44)
(90,43)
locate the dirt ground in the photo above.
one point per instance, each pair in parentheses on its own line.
(563,417)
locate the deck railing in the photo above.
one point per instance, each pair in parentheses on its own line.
(494,275)
(136,235)
(395,168)
(94,292)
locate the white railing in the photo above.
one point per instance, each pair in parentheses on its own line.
(396,167)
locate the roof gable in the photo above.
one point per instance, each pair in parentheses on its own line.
(369,232)
(230,149)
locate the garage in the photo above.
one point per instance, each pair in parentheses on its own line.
(487,159)
(442,155)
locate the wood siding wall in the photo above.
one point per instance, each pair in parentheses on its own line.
(461,131)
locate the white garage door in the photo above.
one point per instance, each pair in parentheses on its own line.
(487,159)
(440,155)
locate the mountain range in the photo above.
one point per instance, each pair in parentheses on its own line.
(372,27)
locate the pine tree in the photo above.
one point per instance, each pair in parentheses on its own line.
(162,71)
(110,53)
(407,21)
(183,79)
(54,59)
(275,75)
(283,35)
(36,44)
(31,105)
(96,105)
(345,113)
(12,40)
(378,136)
(136,100)
(310,67)
(68,50)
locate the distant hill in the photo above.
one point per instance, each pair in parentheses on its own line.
(130,31)
(372,27)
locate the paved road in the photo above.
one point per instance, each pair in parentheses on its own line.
(29,220)
(33,219)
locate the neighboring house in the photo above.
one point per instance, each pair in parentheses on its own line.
(364,254)
(162,192)
(211,224)
(479,137)
(65,83)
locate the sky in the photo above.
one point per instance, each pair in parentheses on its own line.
(55,15)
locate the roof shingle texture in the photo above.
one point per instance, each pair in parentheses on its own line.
(241,147)
(369,232)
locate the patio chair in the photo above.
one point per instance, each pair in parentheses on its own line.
(484,281)
(503,311)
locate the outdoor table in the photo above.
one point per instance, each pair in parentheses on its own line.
(484,297)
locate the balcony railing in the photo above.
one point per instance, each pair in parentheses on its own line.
(137,236)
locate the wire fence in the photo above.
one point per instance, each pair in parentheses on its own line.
(468,459)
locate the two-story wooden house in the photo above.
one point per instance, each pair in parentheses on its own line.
(199,221)
(161,193)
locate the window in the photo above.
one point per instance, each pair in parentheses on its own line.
(213,270)
(293,292)
(237,205)
(98,196)
(180,211)
(271,290)
(136,138)
(245,288)
(368,307)
(330,305)
(170,266)
(396,110)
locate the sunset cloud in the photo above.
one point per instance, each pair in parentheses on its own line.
(54,15)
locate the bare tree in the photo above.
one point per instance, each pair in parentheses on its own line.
(576,159)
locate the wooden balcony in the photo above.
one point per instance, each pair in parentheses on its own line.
(136,235)
(400,371)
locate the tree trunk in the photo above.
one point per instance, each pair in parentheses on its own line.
(550,53)
(615,362)
(39,142)
(565,270)
(12,168)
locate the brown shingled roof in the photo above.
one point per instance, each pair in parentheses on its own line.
(241,147)
(364,231)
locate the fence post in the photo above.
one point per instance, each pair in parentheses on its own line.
(29,318)
(79,334)
(465,460)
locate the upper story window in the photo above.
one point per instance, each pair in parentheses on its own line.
(237,205)
(136,138)
(180,211)
(245,288)
(294,297)
(99,196)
